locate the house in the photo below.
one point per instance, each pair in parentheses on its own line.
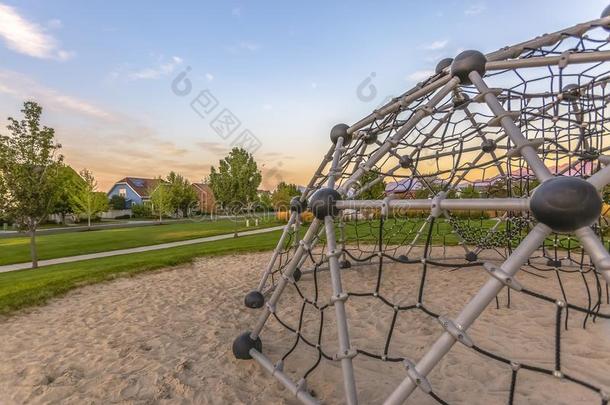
(135,190)
(205,197)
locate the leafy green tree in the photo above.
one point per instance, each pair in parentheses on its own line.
(87,200)
(30,164)
(69,184)
(236,180)
(183,196)
(264,202)
(375,192)
(469,192)
(117,202)
(283,193)
(161,200)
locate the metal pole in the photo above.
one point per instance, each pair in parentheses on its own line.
(404,130)
(471,311)
(500,204)
(288,271)
(277,251)
(528,152)
(346,353)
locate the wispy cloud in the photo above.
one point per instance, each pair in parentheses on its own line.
(236,11)
(419,75)
(209,76)
(23,88)
(248,46)
(151,73)
(27,37)
(55,24)
(475,9)
(216,148)
(436,45)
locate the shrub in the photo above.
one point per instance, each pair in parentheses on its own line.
(141,211)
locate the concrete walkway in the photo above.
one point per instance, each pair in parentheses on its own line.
(70,259)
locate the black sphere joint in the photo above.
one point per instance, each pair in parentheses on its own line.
(488,145)
(403,259)
(405,161)
(345,264)
(254,299)
(570,92)
(466,62)
(298,206)
(340,131)
(566,203)
(471,257)
(242,345)
(296,276)
(370,138)
(443,64)
(323,203)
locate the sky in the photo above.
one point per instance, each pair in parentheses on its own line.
(141,88)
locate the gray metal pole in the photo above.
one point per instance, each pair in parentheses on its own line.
(500,204)
(528,152)
(346,353)
(596,250)
(277,251)
(286,275)
(471,311)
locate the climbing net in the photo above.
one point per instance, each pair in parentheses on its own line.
(494,166)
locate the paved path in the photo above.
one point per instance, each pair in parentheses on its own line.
(69,259)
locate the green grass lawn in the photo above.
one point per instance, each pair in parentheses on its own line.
(17,250)
(25,288)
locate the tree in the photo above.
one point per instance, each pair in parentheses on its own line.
(236,180)
(264,202)
(69,183)
(183,196)
(281,196)
(469,192)
(117,202)
(375,192)
(30,167)
(161,200)
(86,199)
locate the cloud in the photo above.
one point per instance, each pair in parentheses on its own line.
(163,69)
(28,38)
(216,148)
(267,107)
(209,76)
(23,88)
(436,45)
(248,46)
(475,9)
(314,85)
(419,75)
(236,11)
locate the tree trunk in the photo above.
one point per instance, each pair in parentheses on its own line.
(88,222)
(33,252)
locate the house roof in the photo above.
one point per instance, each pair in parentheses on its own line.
(141,186)
(202,187)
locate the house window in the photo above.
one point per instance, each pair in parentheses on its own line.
(123,192)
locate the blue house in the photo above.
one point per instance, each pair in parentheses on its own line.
(135,190)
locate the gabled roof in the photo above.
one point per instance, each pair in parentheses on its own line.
(140,186)
(202,187)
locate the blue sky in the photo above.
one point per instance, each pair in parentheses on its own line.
(288,71)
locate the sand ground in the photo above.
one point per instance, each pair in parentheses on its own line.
(165,337)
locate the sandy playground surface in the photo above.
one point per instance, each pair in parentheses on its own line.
(165,337)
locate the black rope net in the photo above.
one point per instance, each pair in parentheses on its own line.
(405,270)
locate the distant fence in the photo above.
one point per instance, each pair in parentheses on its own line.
(115,213)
